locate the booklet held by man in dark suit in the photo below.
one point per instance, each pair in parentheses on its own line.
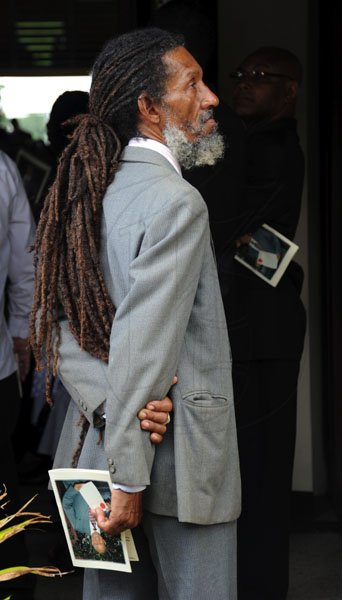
(268,254)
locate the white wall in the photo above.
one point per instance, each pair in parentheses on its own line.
(244,25)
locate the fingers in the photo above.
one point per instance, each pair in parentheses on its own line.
(126,512)
(155,416)
(244,239)
(156,438)
(154,428)
(164,405)
(155,423)
(158,416)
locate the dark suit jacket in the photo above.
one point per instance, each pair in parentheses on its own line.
(259,181)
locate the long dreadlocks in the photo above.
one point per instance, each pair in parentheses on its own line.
(69,279)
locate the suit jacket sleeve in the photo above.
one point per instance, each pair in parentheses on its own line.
(149,328)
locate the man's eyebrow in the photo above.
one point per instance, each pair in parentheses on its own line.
(262,64)
(193,73)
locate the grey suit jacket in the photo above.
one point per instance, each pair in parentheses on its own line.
(161,275)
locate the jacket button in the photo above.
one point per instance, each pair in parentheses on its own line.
(112,469)
(110,461)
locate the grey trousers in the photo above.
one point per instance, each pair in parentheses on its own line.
(192,562)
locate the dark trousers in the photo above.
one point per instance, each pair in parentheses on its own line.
(265,399)
(13,551)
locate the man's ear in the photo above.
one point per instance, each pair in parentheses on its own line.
(148,110)
(291,91)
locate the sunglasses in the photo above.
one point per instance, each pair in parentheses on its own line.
(256,76)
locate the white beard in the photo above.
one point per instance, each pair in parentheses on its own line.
(205,150)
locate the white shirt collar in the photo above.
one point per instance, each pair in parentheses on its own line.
(157,147)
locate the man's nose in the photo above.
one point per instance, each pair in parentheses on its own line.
(209,98)
(243,83)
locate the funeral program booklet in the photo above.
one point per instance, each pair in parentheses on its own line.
(268,254)
(78,492)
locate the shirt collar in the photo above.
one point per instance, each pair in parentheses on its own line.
(157,147)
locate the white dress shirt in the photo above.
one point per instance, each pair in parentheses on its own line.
(17,232)
(157,147)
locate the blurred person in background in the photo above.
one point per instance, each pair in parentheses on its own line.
(16,285)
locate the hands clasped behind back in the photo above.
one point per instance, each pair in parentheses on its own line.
(155,416)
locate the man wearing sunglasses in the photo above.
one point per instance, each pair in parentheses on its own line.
(266,86)
(260,181)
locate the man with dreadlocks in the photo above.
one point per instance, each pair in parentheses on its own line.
(126,297)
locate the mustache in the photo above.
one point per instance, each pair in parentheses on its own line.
(202,119)
(207,114)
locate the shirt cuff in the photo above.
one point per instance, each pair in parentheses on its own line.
(131,489)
